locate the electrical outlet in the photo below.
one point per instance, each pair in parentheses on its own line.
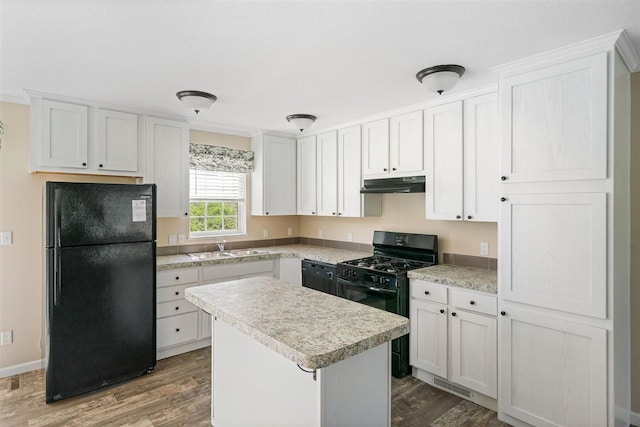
(349,237)
(6,238)
(172,239)
(265,233)
(289,231)
(181,238)
(6,337)
(319,234)
(484,249)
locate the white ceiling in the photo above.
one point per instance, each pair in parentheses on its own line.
(264,60)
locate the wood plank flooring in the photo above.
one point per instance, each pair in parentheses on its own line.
(178,394)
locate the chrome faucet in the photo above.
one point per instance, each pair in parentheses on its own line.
(221,245)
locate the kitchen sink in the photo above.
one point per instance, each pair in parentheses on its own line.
(210,255)
(246,252)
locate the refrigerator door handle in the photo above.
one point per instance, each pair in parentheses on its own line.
(56,278)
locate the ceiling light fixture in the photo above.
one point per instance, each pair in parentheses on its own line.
(301,121)
(441,77)
(196,100)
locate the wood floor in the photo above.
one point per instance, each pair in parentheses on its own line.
(178,394)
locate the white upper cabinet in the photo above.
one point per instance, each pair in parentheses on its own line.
(327,173)
(481,158)
(117,141)
(554,122)
(273,180)
(64,133)
(167,155)
(443,161)
(76,138)
(375,148)
(405,144)
(307,181)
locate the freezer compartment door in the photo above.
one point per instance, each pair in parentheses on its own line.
(101,316)
(89,214)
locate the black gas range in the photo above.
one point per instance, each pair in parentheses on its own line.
(381,280)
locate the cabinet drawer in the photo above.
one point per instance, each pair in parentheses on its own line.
(217,272)
(177,329)
(171,293)
(428,291)
(177,277)
(474,301)
(174,307)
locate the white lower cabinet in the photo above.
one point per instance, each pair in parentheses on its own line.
(454,336)
(290,270)
(567,360)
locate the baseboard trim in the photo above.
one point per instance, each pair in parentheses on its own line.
(635,418)
(21,368)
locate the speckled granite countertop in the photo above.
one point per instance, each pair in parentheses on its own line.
(477,279)
(316,253)
(311,328)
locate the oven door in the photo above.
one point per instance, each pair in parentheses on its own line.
(369,294)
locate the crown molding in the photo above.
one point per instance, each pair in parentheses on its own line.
(24,100)
(217,128)
(627,52)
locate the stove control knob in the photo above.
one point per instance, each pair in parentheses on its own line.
(374,279)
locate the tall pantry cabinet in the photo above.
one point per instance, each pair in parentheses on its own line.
(564,238)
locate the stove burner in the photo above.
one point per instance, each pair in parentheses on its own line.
(387,264)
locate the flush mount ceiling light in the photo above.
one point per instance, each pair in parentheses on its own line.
(441,77)
(196,100)
(301,121)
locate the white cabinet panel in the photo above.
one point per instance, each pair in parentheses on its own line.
(375,148)
(117,143)
(273,181)
(167,147)
(443,161)
(306,174)
(176,330)
(327,173)
(290,270)
(428,349)
(474,351)
(64,138)
(554,122)
(349,172)
(553,371)
(405,145)
(554,251)
(481,158)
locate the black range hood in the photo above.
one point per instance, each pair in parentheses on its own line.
(408,184)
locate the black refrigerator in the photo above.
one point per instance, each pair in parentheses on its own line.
(100,285)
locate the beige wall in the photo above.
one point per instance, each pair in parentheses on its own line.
(406,213)
(22,264)
(277,226)
(635,242)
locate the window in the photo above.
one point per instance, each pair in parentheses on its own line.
(216,203)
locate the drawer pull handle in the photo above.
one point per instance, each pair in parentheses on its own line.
(503,313)
(454,314)
(503,199)
(177,277)
(177,293)
(472,302)
(177,308)
(427,292)
(177,329)
(442,310)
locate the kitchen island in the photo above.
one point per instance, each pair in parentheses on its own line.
(287,355)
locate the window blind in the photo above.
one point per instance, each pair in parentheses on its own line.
(205,184)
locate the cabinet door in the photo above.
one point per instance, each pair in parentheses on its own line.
(306,201)
(117,141)
(375,148)
(405,146)
(349,172)
(443,161)
(553,372)
(168,165)
(64,135)
(474,347)
(280,176)
(327,170)
(428,343)
(481,158)
(553,251)
(554,122)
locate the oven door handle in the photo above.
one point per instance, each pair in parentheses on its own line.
(382,291)
(349,283)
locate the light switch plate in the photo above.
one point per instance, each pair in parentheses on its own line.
(349,237)
(265,233)
(181,238)
(289,231)
(6,337)
(172,239)
(6,238)
(484,249)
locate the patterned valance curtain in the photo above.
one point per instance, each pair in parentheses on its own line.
(219,159)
